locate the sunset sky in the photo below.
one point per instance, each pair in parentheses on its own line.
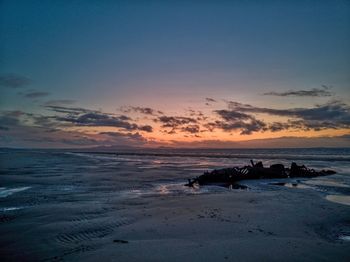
(174,73)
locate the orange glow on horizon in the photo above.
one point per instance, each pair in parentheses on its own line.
(158,136)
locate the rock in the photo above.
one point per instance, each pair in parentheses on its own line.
(229,176)
(120,241)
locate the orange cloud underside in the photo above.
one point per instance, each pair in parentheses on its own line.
(159,135)
(225,136)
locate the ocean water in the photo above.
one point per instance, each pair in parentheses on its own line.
(56,191)
(31,177)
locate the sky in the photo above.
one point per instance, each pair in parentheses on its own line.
(174,73)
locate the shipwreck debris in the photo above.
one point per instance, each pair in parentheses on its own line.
(229,176)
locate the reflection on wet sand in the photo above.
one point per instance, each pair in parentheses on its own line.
(340,199)
(326,182)
(291,185)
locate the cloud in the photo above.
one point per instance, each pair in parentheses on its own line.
(68,117)
(197,114)
(141,110)
(244,118)
(175,121)
(245,128)
(315,92)
(14,81)
(34,136)
(146,128)
(49,123)
(210,100)
(4,128)
(10,119)
(98,119)
(69,110)
(86,117)
(6,122)
(193,129)
(186,124)
(335,111)
(135,136)
(126,139)
(232,115)
(59,102)
(18,119)
(278,126)
(29,130)
(334,114)
(36,94)
(236,121)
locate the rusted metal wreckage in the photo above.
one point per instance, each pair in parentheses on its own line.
(229,176)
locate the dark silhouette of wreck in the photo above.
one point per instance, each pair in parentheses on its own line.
(229,176)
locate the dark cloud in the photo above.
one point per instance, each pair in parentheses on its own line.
(26,129)
(229,115)
(10,119)
(193,129)
(175,121)
(4,128)
(144,110)
(313,92)
(78,141)
(146,128)
(86,117)
(182,123)
(69,110)
(59,102)
(278,126)
(14,81)
(48,122)
(334,115)
(135,136)
(36,94)
(98,119)
(70,117)
(210,100)
(18,119)
(141,110)
(197,114)
(14,113)
(245,127)
(236,121)
(20,134)
(335,110)
(127,139)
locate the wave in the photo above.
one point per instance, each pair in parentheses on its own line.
(6,209)
(5,192)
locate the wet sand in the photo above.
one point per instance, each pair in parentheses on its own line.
(277,224)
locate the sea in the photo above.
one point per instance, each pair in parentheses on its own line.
(31,177)
(40,188)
